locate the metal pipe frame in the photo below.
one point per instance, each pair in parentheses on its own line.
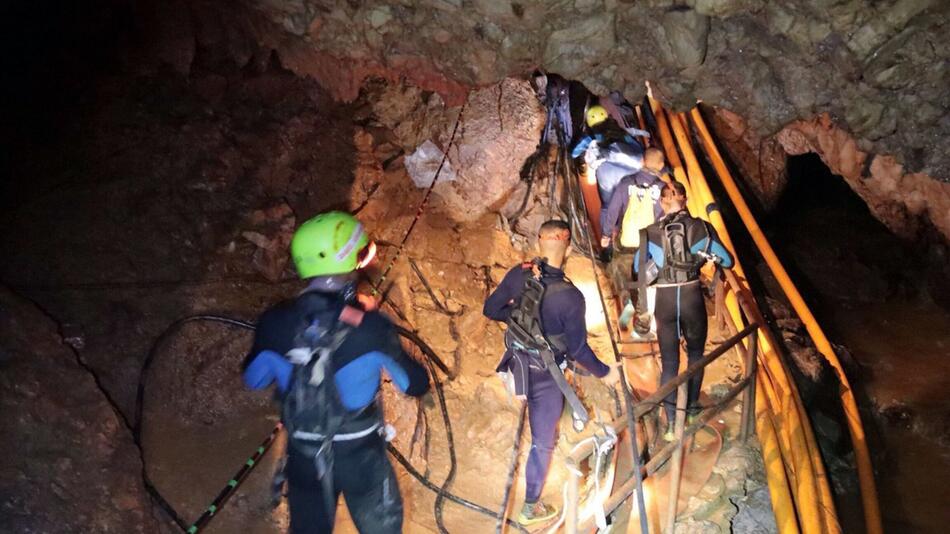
(653,402)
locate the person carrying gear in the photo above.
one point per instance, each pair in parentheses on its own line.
(678,245)
(620,110)
(545,314)
(635,203)
(610,151)
(326,353)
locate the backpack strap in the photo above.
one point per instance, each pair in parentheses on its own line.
(533,337)
(641,306)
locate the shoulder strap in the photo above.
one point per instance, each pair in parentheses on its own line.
(708,246)
(642,271)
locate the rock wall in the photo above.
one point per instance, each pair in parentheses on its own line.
(497,130)
(61,437)
(870,65)
(904,201)
(878,70)
(900,198)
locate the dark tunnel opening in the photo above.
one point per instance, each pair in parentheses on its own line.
(873,293)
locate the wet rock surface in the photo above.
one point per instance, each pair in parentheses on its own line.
(62,437)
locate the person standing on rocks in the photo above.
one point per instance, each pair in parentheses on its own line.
(326,353)
(678,245)
(558,312)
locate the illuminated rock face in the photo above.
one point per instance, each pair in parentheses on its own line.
(879,71)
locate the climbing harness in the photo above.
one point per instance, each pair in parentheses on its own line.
(530,346)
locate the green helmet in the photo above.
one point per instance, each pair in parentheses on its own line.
(330,243)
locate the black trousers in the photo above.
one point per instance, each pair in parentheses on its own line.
(362,473)
(681,313)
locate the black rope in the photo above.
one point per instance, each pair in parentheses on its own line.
(528,174)
(450,439)
(422,206)
(570,178)
(452,497)
(140,400)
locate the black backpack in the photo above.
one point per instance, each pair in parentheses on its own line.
(525,328)
(525,334)
(680,264)
(311,408)
(312,412)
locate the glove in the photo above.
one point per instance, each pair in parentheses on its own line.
(267,367)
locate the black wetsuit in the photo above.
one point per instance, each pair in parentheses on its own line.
(562,314)
(361,471)
(680,308)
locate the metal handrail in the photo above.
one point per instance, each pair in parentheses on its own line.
(653,402)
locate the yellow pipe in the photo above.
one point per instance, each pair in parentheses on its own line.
(872,513)
(672,157)
(798,418)
(698,180)
(796,448)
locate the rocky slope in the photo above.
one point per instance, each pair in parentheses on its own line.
(61,437)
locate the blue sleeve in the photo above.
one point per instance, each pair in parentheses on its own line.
(267,367)
(358,381)
(408,374)
(575,332)
(499,304)
(716,249)
(581,146)
(654,252)
(616,207)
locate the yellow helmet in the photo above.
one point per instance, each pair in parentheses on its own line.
(596,115)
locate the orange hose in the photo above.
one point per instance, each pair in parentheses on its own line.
(872,513)
(785,414)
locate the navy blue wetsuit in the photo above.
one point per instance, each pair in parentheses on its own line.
(361,472)
(562,313)
(680,309)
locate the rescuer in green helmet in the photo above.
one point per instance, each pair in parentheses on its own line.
(335,428)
